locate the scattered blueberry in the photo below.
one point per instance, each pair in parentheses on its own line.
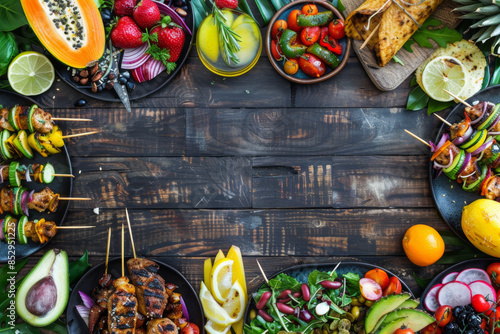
(130,86)
(123,81)
(106,15)
(80,103)
(125,74)
(185,8)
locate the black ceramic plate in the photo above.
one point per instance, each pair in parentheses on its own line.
(142,89)
(76,325)
(448,194)
(301,273)
(61,185)
(475,263)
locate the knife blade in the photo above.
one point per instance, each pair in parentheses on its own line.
(120,90)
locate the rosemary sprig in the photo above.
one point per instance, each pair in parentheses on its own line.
(228,39)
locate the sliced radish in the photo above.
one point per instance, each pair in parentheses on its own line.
(473,274)
(485,289)
(450,277)
(370,289)
(454,294)
(430,302)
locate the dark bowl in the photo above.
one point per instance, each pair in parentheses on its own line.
(87,282)
(301,77)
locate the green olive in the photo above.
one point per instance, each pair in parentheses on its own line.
(355,312)
(355,301)
(369,303)
(343,331)
(344,324)
(334,325)
(253,314)
(361,299)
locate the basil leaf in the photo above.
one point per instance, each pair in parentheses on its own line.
(79,267)
(417,99)
(12,15)
(434,105)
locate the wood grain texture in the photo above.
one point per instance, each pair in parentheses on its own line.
(392,75)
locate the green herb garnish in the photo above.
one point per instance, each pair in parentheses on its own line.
(228,39)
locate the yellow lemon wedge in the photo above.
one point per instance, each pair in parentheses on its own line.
(234,254)
(213,328)
(222,279)
(212,310)
(209,37)
(207,270)
(220,255)
(235,303)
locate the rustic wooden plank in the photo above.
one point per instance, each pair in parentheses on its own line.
(341,182)
(163,182)
(306,131)
(292,232)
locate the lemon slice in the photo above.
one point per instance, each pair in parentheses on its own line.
(213,328)
(213,311)
(30,73)
(444,73)
(221,279)
(234,304)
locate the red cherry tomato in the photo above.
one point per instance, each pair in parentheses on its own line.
(432,329)
(443,315)
(379,276)
(370,289)
(278,27)
(404,330)
(276,50)
(494,271)
(312,65)
(336,29)
(292,20)
(310,9)
(479,303)
(394,287)
(291,66)
(310,35)
(190,329)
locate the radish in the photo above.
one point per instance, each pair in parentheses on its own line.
(450,277)
(454,294)
(370,289)
(430,301)
(473,274)
(485,289)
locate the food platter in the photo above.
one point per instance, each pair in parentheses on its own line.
(448,195)
(301,273)
(61,185)
(75,323)
(142,89)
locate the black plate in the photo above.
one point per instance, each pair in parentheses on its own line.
(61,185)
(448,194)
(76,325)
(475,263)
(142,89)
(301,272)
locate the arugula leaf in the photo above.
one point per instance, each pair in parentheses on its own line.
(316,277)
(56,327)
(441,36)
(12,15)
(352,284)
(417,99)
(283,282)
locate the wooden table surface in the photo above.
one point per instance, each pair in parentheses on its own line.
(289,173)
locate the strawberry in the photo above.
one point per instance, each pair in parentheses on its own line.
(124,7)
(146,14)
(172,38)
(233,4)
(126,34)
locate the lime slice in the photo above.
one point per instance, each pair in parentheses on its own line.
(30,73)
(444,73)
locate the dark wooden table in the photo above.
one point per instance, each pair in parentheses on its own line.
(289,173)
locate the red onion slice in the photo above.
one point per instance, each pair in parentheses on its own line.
(86,299)
(148,71)
(494,133)
(30,196)
(27,175)
(481,148)
(443,140)
(84,312)
(185,313)
(494,123)
(466,162)
(1,174)
(24,204)
(485,104)
(166,10)
(460,140)
(135,57)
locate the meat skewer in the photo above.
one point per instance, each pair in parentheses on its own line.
(15,173)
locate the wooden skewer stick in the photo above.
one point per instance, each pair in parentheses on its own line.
(64,175)
(72,227)
(417,138)
(107,251)
(369,37)
(123,250)
(457,98)
(81,134)
(130,232)
(338,264)
(72,119)
(262,271)
(75,199)
(442,120)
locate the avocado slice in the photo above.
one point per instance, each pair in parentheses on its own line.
(44,292)
(407,313)
(410,303)
(381,308)
(393,326)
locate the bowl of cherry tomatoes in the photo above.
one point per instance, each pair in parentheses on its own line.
(306,41)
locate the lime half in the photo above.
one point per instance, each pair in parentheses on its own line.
(31,73)
(444,73)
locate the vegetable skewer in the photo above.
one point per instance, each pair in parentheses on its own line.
(15,172)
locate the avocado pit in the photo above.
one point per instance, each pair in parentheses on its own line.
(42,296)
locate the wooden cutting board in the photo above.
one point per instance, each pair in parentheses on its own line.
(392,75)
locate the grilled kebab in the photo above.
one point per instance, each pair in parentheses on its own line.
(122,308)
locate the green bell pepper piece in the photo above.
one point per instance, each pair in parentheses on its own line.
(289,49)
(324,54)
(316,20)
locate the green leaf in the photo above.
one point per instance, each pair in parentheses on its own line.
(434,105)
(338,4)
(486,77)
(265,9)
(413,82)
(408,44)
(417,99)
(12,15)
(398,61)
(277,4)
(422,282)
(441,36)
(200,10)
(495,78)
(245,8)
(8,50)
(78,268)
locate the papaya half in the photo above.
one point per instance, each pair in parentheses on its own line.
(72,31)
(481,225)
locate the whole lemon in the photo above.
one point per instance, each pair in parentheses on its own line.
(481,225)
(423,245)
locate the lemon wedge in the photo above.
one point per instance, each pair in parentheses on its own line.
(235,303)
(213,311)
(213,328)
(444,73)
(234,254)
(222,279)
(207,270)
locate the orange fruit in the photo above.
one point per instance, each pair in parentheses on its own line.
(423,245)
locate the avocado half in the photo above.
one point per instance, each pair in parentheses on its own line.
(44,292)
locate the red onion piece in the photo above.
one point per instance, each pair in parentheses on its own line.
(485,145)
(86,299)
(449,163)
(494,123)
(460,140)
(466,162)
(1,174)
(485,105)
(24,204)
(30,196)
(84,312)
(149,70)
(185,313)
(166,10)
(1,230)
(305,315)
(443,140)
(494,133)
(135,57)
(27,175)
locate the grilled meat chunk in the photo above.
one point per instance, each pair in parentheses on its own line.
(476,111)
(162,326)
(493,188)
(444,157)
(95,315)
(44,200)
(30,231)
(6,199)
(4,120)
(149,285)
(122,308)
(42,121)
(471,173)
